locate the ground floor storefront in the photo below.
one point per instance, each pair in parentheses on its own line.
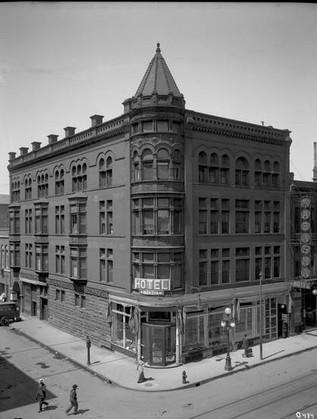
(188,328)
(303,307)
(163,331)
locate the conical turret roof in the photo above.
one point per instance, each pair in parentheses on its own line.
(158,78)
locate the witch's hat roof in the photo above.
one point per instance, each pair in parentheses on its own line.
(158,78)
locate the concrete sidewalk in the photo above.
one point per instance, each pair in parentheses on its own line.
(121,370)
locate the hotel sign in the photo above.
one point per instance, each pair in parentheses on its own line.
(152,286)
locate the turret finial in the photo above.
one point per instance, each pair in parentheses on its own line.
(158,47)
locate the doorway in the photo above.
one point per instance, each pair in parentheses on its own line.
(160,344)
(44,309)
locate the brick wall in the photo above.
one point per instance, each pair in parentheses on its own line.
(78,321)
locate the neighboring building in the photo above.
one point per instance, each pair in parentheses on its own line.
(139,231)
(303,246)
(4,246)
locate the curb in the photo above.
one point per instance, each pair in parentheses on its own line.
(189,385)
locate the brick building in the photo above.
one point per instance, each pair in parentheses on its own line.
(140,230)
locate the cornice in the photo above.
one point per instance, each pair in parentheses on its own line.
(238,135)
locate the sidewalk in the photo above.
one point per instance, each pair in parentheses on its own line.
(120,370)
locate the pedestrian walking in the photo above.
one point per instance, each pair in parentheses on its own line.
(41,394)
(245,346)
(140,368)
(73,400)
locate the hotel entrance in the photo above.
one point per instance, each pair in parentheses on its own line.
(159,344)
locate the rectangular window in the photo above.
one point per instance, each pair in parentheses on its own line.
(102,265)
(162,126)
(163,221)
(28,255)
(102,217)
(41,258)
(109,218)
(60,219)
(242,216)
(14,226)
(276,217)
(41,220)
(78,263)
(109,265)
(78,219)
(60,259)
(202,267)
(28,221)
(148,222)
(14,255)
(242,264)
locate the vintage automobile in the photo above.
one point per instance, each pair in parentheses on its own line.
(9,311)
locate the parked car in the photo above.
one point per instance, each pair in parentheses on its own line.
(9,311)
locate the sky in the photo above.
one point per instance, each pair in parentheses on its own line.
(62,62)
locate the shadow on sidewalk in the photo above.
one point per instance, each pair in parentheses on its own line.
(275,353)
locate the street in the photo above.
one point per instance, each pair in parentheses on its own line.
(280,389)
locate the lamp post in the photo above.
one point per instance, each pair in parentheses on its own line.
(227,323)
(261,319)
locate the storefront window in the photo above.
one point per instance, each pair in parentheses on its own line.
(194,333)
(122,334)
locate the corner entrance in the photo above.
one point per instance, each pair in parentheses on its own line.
(159,342)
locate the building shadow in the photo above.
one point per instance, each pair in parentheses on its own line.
(17,389)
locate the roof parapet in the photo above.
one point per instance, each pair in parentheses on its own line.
(36,145)
(52,138)
(96,120)
(23,150)
(69,131)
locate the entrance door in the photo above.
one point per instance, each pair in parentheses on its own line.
(159,342)
(33,309)
(44,309)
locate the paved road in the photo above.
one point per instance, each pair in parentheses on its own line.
(276,390)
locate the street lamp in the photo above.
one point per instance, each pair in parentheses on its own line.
(228,323)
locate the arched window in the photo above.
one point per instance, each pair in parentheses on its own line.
(163,162)
(147,164)
(102,173)
(214,168)
(202,169)
(42,185)
(28,188)
(136,167)
(242,172)
(276,175)
(109,171)
(224,170)
(59,182)
(79,177)
(267,174)
(258,172)
(177,165)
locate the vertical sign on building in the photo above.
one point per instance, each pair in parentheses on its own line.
(305,237)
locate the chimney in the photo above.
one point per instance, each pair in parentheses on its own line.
(12,155)
(23,150)
(52,138)
(96,120)
(69,131)
(315,163)
(36,145)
